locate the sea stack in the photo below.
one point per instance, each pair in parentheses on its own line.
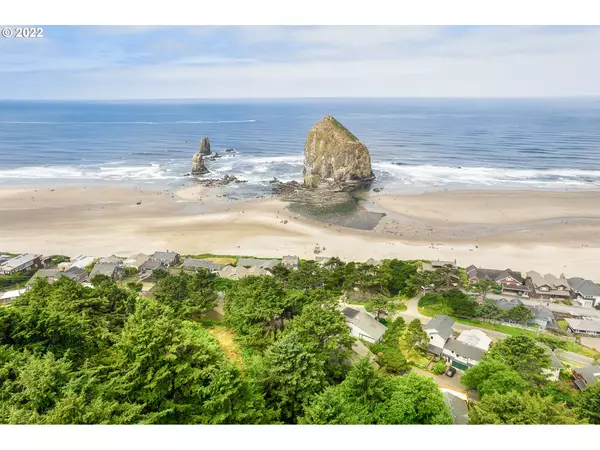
(334,156)
(198,167)
(205,146)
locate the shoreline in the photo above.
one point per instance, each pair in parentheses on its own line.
(523,230)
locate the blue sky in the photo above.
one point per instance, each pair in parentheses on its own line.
(115,63)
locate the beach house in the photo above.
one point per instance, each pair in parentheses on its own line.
(438,329)
(167,258)
(362,325)
(193,264)
(510,281)
(260,263)
(461,355)
(80,261)
(113,270)
(584,292)
(136,260)
(290,262)
(583,326)
(548,287)
(542,316)
(9,296)
(21,263)
(586,377)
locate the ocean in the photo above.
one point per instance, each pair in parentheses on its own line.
(415,144)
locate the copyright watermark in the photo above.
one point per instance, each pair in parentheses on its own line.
(22,33)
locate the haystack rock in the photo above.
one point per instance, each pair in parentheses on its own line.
(334,156)
(198,167)
(205,146)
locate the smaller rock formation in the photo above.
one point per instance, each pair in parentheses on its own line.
(205,146)
(198,167)
(226,180)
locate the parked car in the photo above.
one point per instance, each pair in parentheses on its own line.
(450,372)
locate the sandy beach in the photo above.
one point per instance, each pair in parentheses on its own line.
(524,230)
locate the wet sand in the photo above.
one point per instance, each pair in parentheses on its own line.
(523,230)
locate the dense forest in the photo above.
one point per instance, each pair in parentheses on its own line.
(71,354)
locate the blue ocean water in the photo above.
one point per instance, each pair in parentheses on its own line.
(414,144)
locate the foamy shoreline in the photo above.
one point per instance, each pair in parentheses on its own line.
(524,230)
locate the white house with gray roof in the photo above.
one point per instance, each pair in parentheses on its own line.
(586,292)
(462,355)
(439,329)
(20,263)
(583,326)
(167,258)
(362,325)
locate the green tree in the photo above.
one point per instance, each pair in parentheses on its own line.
(524,355)
(552,341)
(483,286)
(415,336)
(520,314)
(187,294)
(514,408)
(393,361)
(588,404)
(489,310)
(366,396)
(292,375)
(394,332)
(448,273)
(413,399)
(381,305)
(493,376)
(177,372)
(324,330)
(255,307)
(462,304)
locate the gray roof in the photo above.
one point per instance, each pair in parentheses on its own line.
(555,362)
(153,265)
(48,274)
(589,374)
(165,256)
(262,263)
(112,259)
(549,280)
(434,349)
(193,263)
(365,322)
(439,263)
(464,350)
(77,274)
(585,287)
(19,260)
(507,304)
(493,274)
(104,269)
(584,325)
(442,324)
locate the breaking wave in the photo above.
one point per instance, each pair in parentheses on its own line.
(129,123)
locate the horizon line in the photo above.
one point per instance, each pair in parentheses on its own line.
(205,99)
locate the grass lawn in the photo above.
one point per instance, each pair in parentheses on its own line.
(226,340)
(222,260)
(571,346)
(413,356)
(434,310)
(562,323)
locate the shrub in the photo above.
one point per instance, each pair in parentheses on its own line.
(440,367)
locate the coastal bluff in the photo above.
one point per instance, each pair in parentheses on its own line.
(335,156)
